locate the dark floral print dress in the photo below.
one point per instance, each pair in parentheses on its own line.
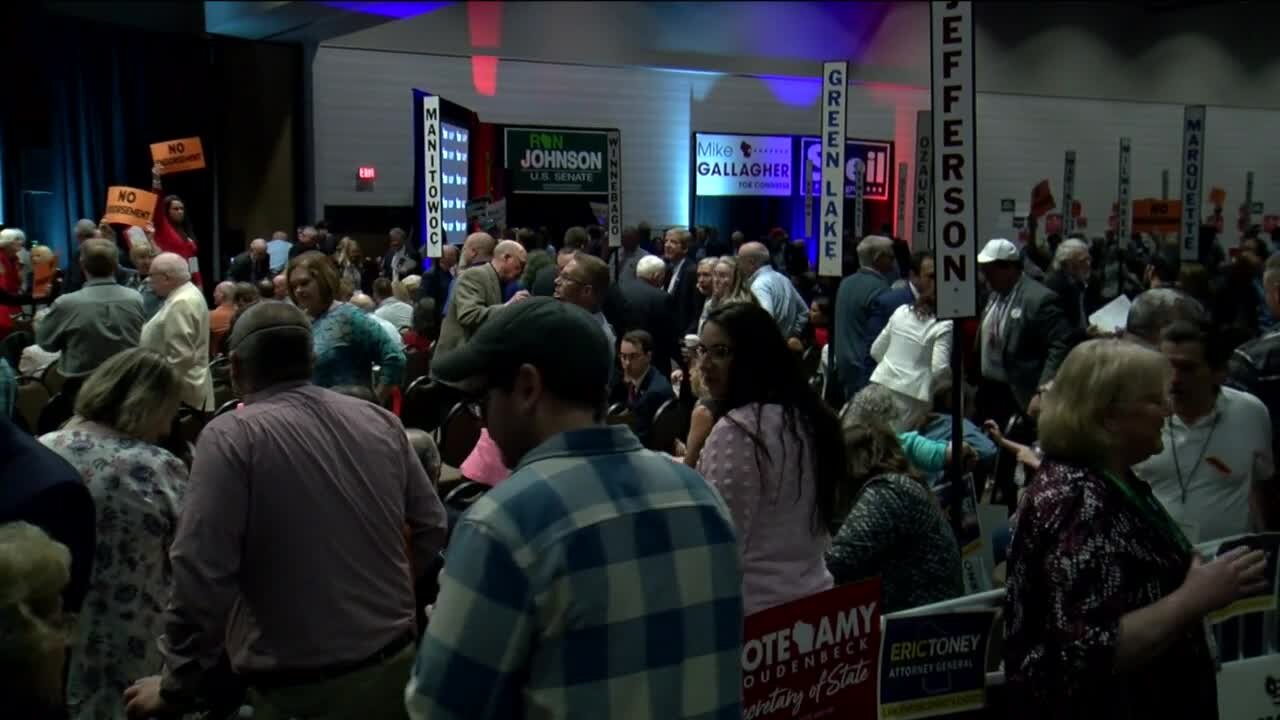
(1083,555)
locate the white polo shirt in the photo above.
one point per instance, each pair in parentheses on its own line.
(1204,473)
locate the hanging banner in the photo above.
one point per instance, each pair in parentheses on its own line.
(858,170)
(129,206)
(1068,192)
(900,228)
(178,155)
(615,189)
(1193,121)
(741,165)
(923,217)
(835,92)
(955,250)
(551,161)
(934,665)
(814,657)
(432,175)
(1123,214)
(876,158)
(809,192)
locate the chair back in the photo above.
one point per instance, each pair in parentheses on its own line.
(425,404)
(670,423)
(32,397)
(53,379)
(54,414)
(417,364)
(226,407)
(13,345)
(220,374)
(459,434)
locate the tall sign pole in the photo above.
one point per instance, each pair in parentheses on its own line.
(859,182)
(835,93)
(1193,119)
(1124,209)
(922,220)
(954,198)
(1069,193)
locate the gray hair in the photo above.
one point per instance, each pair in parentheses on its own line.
(128,390)
(872,248)
(755,255)
(873,404)
(682,235)
(85,228)
(362,301)
(1158,308)
(650,267)
(172,264)
(12,236)
(1068,249)
(711,262)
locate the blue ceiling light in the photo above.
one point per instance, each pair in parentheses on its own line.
(397,10)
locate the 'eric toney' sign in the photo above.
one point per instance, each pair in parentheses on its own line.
(955,252)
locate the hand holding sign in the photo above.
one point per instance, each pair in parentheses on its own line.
(1215,584)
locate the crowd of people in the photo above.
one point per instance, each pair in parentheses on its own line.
(302,554)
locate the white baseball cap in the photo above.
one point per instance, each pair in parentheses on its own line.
(999,250)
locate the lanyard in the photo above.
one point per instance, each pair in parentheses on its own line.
(1152,511)
(1177,465)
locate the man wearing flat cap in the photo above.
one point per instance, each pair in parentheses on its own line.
(598,572)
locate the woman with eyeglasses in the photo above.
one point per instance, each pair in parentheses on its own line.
(776,455)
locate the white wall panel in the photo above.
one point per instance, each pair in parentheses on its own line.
(363,117)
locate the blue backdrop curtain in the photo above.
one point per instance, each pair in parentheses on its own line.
(92,101)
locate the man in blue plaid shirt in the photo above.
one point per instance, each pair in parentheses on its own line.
(600,580)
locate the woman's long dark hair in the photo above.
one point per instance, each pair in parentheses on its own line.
(185,227)
(765,371)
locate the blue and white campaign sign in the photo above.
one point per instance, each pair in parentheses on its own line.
(742,165)
(876,158)
(933,665)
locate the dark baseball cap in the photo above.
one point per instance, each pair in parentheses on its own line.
(563,341)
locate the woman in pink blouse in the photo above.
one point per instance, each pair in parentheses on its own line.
(776,455)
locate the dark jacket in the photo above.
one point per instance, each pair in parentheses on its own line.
(650,310)
(851,335)
(654,390)
(686,301)
(39,487)
(1255,369)
(1037,338)
(245,269)
(435,285)
(1071,297)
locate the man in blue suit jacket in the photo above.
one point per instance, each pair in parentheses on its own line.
(855,304)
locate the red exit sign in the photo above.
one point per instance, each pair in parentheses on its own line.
(367,173)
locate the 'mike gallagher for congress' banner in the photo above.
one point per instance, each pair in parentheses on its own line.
(742,165)
(551,161)
(814,657)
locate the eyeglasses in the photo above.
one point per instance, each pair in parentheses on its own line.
(564,279)
(719,353)
(628,357)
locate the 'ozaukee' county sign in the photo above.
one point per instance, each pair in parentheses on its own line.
(557,161)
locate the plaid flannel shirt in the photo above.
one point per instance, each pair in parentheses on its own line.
(599,581)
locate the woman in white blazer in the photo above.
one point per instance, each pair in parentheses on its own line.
(179,331)
(914,348)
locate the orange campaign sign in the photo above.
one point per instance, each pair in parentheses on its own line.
(1217,197)
(1157,217)
(129,206)
(178,155)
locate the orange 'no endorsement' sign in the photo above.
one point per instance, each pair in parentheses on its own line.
(129,206)
(178,155)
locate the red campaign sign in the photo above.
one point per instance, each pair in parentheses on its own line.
(814,657)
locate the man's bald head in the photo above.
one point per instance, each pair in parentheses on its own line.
(224,293)
(478,247)
(270,344)
(258,248)
(509,259)
(362,301)
(752,256)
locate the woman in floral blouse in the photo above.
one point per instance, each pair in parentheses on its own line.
(1106,598)
(122,410)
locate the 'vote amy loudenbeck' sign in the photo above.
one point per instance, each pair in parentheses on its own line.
(552,161)
(955,249)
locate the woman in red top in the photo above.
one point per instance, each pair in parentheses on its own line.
(173,232)
(11,297)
